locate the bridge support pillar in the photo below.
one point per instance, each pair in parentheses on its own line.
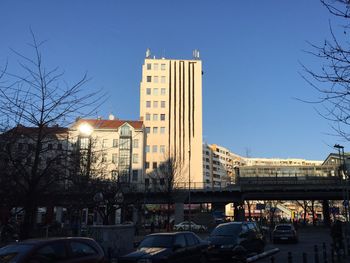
(239,214)
(325,211)
(179,212)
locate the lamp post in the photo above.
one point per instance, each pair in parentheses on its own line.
(85,130)
(189,188)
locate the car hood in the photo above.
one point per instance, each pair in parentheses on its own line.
(148,252)
(222,240)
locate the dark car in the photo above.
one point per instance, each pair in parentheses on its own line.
(235,239)
(60,250)
(168,247)
(284,232)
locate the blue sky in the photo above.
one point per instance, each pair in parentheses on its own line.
(250,49)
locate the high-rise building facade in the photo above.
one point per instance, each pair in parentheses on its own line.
(171,109)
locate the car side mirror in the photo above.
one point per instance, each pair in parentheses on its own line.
(136,244)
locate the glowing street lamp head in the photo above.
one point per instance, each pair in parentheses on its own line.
(85,129)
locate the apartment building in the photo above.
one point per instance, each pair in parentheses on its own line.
(280,162)
(171,109)
(219,165)
(117,147)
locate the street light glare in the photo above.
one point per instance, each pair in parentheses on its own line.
(85,129)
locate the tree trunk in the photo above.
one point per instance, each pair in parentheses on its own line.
(29,221)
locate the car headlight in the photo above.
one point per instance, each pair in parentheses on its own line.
(227,246)
(144,260)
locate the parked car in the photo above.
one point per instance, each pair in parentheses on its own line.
(189,225)
(233,239)
(63,250)
(168,247)
(285,232)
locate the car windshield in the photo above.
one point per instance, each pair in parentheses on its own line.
(227,230)
(10,252)
(285,227)
(165,241)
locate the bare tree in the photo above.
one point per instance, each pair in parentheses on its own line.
(332,79)
(169,176)
(39,100)
(305,205)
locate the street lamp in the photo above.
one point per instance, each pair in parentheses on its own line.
(85,131)
(189,188)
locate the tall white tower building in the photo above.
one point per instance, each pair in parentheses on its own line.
(171,108)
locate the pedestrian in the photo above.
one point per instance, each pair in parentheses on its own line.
(337,235)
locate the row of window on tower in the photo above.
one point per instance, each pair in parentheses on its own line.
(155,130)
(155,79)
(156,91)
(155,148)
(155,66)
(155,104)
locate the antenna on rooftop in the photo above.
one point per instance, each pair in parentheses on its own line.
(195,54)
(148,53)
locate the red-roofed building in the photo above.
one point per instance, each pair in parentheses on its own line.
(118,146)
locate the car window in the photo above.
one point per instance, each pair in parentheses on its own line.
(180,241)
(244,228)
(80,249)
(10,252)
(284,227)
(165,241)
(227,230)
(251,226)
(191,239)
(50,253)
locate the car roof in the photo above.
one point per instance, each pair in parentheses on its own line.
(170,233)
(38,241)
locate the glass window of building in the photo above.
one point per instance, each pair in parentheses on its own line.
(124,143)
(155,66)
(115,142)
(147,149)
(104,157)
(155,91)
(155,130)
(149,78)
(154,148)
(162,104)
(135,143)
(125,130)
(162,66)
(155,117)
(104,143)
(162,79)
(148,129)
(148,117)
(154,165)
(162,130)
(155,104)
(162,117)
(135,158)
(155,78)
(146,165)
(114,158)
(148,104)
(162,91)
(149,66)
(148,91)
(162,149)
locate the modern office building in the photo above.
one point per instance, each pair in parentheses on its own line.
(171,110)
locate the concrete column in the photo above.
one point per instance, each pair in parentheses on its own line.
(59,214)
(179,212)
(325,211)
